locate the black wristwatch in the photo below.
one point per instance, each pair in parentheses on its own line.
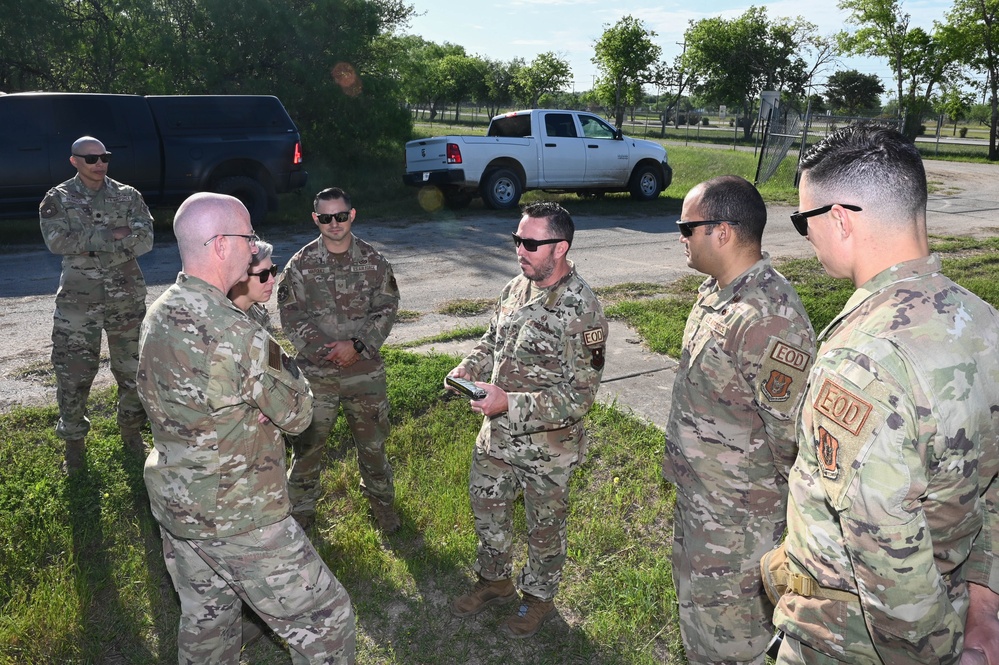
(358,345)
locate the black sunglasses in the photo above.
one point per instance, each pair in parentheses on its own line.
(687,228)
(263,274)
(531,244)
(92,159)
(800,219)
(327,217)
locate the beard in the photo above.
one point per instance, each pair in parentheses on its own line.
(540,272)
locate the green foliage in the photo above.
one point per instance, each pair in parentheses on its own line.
(626,57)
(547,73)
(849,92)
(736,59)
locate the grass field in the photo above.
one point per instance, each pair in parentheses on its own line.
(82,578)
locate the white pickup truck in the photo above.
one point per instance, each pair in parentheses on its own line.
(537,149)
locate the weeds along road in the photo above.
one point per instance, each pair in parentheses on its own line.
(438,262)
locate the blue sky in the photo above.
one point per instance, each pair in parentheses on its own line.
(505,29)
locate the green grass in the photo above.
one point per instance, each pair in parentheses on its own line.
(82,578)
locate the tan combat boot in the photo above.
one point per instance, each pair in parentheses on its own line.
(385,515)
(530,616)
(485,593)
(74,456)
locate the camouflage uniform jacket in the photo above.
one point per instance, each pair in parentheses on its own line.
(323,299)
(206,373)
(77,223)
(894,494)
(545,347)
(746,353)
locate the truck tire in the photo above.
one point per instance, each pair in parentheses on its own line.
(501,189)
(249,191)
(456,198)
(646,183)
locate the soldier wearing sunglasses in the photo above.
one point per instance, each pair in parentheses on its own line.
(99,226)
(540,364)
(893,509)
(338,300)
(730,439)
(251,294)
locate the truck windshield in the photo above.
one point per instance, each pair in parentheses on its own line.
(517,126)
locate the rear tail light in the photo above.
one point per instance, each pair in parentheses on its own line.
(297,159)
(453,153)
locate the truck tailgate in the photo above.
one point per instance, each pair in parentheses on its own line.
(427,154)
(432,155)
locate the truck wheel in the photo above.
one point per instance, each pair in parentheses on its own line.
(646,183)
(501,189)
(249,191)
(456,198)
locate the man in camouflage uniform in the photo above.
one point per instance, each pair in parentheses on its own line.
(220,392)
(99,226)
(730,441)
(894,498)
(338,300)
(543,356)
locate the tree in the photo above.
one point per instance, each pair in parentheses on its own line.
(546,73)
(735,60)
(918,60)
(500,83)
(849,91)
(955,104)
(626,56)
(973,30)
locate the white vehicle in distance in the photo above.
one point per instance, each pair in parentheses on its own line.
(552,150)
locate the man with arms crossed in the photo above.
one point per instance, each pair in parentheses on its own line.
(99,226)
(220,392)
(730,442)
(893,510)
(543,356)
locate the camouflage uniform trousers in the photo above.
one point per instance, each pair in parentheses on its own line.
(494,485)
(793,652)
(366,408)
(276,571)
(76,350)
(725,615)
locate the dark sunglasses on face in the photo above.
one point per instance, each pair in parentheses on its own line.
(265,274)
(800,219)
(327,217)
(687,228)
(531,244)
(92,159)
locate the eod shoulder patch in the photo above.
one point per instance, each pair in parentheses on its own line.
(593,339)
(783,374)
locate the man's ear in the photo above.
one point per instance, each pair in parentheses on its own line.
(842,220)
(561,249)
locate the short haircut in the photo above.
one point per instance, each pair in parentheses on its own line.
(560,223)
(735,199)
(264,251)
(868,163)
(331,194)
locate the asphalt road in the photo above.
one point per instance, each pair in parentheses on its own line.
(440,261)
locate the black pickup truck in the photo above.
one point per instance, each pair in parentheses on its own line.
(167,147)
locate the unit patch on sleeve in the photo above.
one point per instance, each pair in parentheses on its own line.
(782,375)
(593,339)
